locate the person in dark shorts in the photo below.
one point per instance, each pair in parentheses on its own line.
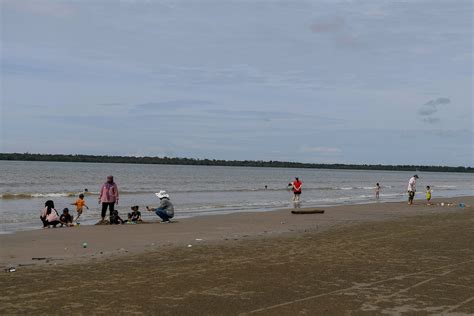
(296,187)
(412,189)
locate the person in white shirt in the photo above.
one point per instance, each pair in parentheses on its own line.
(412,189)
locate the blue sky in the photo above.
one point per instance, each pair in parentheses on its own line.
(385,82)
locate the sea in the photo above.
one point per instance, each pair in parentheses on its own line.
(199,190)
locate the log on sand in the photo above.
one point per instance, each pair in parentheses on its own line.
(307,211)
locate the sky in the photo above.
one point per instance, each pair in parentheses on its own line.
(379,82)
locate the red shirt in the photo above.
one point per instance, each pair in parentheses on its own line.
(297,186)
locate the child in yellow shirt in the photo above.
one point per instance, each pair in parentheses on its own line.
(428,195)
(80,203)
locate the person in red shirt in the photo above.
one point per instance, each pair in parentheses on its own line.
(296,187)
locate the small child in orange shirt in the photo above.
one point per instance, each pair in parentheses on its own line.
(80,203)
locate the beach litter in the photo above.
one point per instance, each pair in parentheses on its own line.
(462,205)
(189,246)
(84,245)
(198,239)
(11,269)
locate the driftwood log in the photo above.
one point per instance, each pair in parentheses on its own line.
(307,211)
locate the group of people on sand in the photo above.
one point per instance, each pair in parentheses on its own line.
(411,190)
(108,198)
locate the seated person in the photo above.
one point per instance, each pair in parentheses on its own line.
(166,209)
(49,216)
(135,216)
(66,218)
(115,218)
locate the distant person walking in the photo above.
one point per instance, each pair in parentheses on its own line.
(108,196)
(412,189)
(296,187)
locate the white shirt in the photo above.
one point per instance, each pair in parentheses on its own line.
(412,184)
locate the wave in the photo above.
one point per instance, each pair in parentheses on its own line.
(9,195)
(35,195)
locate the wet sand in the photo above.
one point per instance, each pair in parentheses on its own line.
(376,258)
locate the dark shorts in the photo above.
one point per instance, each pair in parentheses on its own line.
(297,192)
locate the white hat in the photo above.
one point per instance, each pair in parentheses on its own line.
(162,194)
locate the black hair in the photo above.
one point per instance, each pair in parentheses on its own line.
(81,196)
(378,183)
(428,187)
(50,205)
(66,210)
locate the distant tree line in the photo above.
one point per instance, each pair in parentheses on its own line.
(214,162)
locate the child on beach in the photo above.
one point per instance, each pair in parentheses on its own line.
(428,195)
(66,218)
(115,218)
(49,216)
(377,191)
(80,203)
(135,216)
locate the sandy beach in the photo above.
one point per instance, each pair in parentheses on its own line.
(374,258)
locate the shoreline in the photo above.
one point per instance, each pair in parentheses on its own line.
(185,215)
(63,246)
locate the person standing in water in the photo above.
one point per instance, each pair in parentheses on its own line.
(377,191)
(108,196)
(412,189)
(296,188)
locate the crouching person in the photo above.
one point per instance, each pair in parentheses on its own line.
(49,216)
(166,209)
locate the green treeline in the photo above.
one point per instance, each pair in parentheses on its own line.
(214,162)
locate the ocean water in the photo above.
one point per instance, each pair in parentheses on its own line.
(199,190)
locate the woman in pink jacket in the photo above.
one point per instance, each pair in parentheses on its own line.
(108,196)
(49,216)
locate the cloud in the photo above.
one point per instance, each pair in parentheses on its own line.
(438,101)
(427,110)
(431,120)
(320,150)
(333,25)
(337,30)
(169,105)
(111,104)
(50,8)
(430,108)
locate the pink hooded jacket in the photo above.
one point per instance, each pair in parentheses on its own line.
(109,193)
(51,217)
